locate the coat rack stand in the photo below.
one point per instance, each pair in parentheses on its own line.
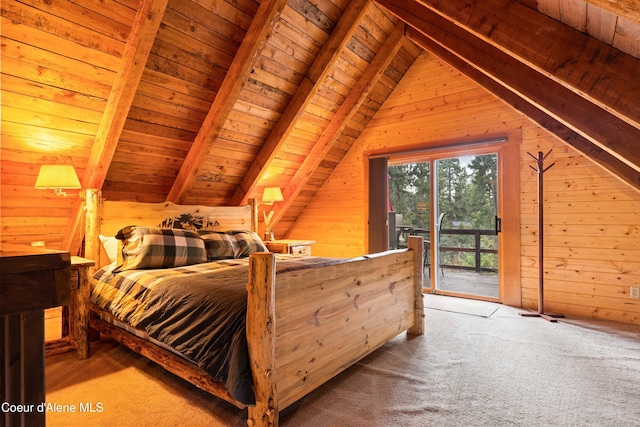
(540,170)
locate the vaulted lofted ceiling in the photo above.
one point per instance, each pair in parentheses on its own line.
(227,100)
(210,101)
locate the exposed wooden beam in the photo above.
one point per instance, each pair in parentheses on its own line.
(577,141)
(257,35)
(309,86)
(595,124)
(349,107)
(143,33)
(601,73)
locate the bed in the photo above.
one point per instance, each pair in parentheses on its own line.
(305,319)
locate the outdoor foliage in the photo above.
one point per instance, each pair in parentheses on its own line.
(467,194)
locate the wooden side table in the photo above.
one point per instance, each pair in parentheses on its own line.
(288,246)
(30,282)
(75,316)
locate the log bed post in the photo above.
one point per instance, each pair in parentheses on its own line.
(254,214)
(416,243)
(92,226)
(261,334)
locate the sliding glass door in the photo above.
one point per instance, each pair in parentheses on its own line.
(465,201)
(452,201)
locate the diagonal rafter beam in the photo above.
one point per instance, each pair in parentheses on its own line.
(257,35)
(349,107)
(134,59)
(594,70)
(581,144)
(312,82)
(605,131)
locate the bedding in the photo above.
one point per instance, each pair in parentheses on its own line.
(220,245)
(248,242)
(146,247)
(110,245)
(198,310)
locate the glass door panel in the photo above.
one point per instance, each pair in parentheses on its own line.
(466,205)
(410,208)
(409,202)
(458,198)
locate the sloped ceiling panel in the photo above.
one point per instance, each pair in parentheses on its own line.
(201,101)
(303,71)
(190,57)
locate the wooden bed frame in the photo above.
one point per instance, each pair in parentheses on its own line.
(303,326)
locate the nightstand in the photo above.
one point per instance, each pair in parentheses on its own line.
(75,316)
(287,246)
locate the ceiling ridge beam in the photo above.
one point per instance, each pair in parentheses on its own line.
(144,29)
(309,86)
(597,125)
(358,94)
(259,31)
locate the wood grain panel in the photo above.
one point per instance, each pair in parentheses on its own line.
(592,234)
(58,64)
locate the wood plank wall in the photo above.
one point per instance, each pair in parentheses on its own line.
(59,61)
(592,232)
(591,235)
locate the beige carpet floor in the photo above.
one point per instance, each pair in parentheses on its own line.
(467,370)
(460,305)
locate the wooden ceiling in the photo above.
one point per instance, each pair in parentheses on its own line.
(210,101)
(579,88)
(227,100)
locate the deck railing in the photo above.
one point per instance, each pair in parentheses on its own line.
(477,249)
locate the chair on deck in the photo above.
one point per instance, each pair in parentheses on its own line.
(427,247)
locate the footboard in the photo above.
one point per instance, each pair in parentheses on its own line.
(306,326)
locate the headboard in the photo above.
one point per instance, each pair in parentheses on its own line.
(108,217)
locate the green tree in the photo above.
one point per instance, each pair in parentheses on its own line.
(409,192)
(467,195)
(483,192)
(452,185)
(484,200)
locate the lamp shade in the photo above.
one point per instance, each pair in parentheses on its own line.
(272,194)
(57,176)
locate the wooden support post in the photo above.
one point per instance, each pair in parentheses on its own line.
(478,252)
(92,227)
(254,214)
(540,170)
(261,333)
(416,243)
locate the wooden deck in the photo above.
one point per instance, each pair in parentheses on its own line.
(468,283)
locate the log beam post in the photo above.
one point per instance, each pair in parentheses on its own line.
(92,202)
(416,244)
(261,333)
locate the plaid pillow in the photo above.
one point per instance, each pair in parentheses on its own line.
(219,245)
(248,241)
(159,248)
